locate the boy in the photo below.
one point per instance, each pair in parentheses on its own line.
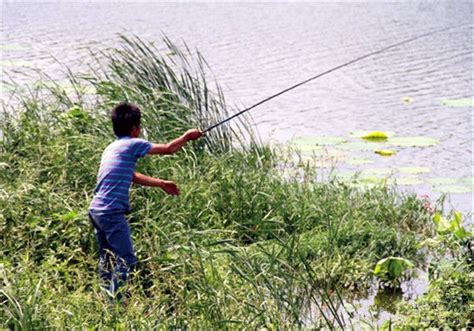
(111,202)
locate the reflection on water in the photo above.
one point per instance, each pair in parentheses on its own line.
(258,49)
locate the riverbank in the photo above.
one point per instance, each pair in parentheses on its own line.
(241,247)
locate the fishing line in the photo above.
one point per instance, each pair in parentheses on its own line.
(327,72)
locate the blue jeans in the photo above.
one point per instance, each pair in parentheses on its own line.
(116,256)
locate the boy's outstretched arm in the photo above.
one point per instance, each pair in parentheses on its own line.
(168,186)
(176,144)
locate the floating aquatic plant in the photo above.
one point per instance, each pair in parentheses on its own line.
(407,100)
(406,181)
(467,180)
(378,171)
(359,161)
(12,47)
(442,181)
(463,102)
(359,146)
(414,170)
(317,141)
(16,63)
(384,152)
(391,269)
(375,135)
(412,141)
(453,189)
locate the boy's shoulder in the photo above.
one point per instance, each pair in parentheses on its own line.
(138,147)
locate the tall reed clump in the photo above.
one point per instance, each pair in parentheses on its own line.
(241,247)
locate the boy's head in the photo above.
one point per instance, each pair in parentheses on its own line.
(126,119)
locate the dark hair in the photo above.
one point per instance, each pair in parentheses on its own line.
(125,116)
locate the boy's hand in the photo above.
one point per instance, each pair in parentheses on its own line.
(193,134)
(170,187)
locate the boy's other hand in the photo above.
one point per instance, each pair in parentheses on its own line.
(193,134)
(170,187)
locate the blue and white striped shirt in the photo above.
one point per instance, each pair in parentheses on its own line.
(115,174)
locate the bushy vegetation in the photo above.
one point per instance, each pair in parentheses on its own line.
(240,247)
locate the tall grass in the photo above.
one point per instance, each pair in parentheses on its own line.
(240,248)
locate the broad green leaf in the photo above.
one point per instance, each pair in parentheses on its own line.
(458,230)
(15,63)
(407,100)
(406,181)
(392,267)
(361,133)
(463,102)
(442,181)
(377,171)
(378,268)
(461,233)
(443,226)
(467,180)
(384,152)
(359,161)
(395,269)
(414,170)
(317,141)
(453,189)
(375,135)
(308,148)
(344,175)
(359,146)
(412,141)
(11,47)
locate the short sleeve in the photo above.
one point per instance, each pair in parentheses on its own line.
(140,147)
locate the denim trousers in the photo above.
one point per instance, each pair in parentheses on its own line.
(116,256)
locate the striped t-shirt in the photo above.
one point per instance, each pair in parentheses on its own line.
(115,174)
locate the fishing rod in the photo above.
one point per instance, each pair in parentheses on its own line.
(327,72)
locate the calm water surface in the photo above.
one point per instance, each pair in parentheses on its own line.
(256,50)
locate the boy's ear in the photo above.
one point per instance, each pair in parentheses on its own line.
(136,130)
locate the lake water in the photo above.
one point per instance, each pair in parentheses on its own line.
(258,49)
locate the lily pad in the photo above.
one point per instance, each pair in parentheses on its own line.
(11,47)
(467,180)
(384,152)
(362,133)
(463,102)
(344,175)
(15,63)
(307,148)
(442,181)
(375,135)
(364,186)
(407,100)
(317,141)
(412,141)
(372,179)
(453,189)
(378,171)
(406,181)
(414,170)
(359,146)
(356,162)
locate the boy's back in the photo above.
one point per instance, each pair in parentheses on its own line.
(116,173)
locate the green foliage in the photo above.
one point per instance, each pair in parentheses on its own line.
(449,301)
(240,247)
(391,269)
